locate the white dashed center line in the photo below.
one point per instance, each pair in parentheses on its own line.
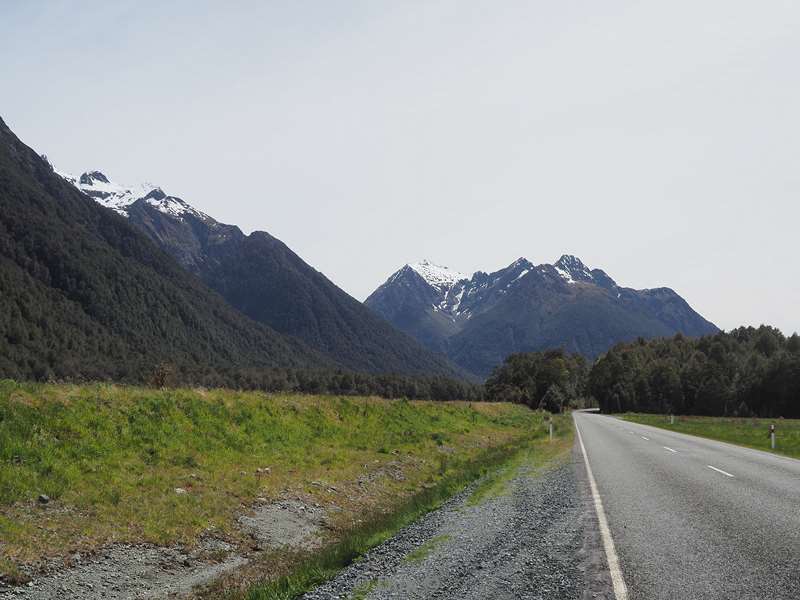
(720,471)
(670,449)
(646,439)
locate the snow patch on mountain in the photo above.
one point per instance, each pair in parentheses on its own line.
(119,197)
(108,193)
(565,275)
(441,278)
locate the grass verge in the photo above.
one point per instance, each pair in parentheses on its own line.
(752,433)
(313,569)
(532,456)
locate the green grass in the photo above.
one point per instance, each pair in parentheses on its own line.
(111,457)
(753,433)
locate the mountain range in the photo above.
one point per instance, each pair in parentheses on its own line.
(477,320)
(264,279)
(103,281)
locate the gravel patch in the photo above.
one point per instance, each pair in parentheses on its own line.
(129,571)
(289,523)
(533,541)
(126,571)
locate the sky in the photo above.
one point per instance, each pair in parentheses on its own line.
(658,141)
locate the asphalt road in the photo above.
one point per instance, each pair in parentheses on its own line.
(695,519)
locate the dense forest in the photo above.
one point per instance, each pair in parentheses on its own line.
(552,380)
(746,372)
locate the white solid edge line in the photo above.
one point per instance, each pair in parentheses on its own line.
(670,449)
(720,471)
(617,581)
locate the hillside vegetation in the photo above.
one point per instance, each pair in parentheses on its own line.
(111,459)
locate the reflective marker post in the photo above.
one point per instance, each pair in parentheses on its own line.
(550,422)
(772,436)
(672,419)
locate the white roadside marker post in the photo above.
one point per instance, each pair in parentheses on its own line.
(550,422)
(772,436)
(672,419)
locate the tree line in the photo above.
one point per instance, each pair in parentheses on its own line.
(745,372)
(551,380)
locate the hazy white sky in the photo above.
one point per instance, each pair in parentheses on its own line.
(656,140)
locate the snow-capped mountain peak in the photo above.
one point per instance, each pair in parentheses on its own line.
(572,269)
(437,276)
(105,191)
(119,198)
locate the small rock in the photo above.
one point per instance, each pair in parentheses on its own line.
(44,498)
(180,491)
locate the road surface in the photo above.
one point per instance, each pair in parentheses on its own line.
(692,518)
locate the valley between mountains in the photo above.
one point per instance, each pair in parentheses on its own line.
(190,411)
(474,320)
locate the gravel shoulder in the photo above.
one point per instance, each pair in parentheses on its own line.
(536,537)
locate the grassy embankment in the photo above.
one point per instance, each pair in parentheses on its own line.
(753,433)
(496,467)
(112,459)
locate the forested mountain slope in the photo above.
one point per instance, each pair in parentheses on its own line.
(85,294)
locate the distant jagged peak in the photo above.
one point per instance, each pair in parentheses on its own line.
(92,177)
(572,269)
(439,277)
(521,264)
